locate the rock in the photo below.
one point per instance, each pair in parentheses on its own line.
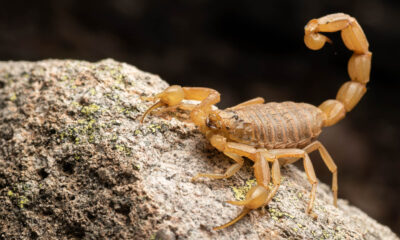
(76,163)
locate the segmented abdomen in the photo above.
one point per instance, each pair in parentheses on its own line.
(278,125)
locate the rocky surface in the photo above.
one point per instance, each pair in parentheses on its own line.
(76,164)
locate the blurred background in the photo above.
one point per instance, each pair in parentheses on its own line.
(243,49)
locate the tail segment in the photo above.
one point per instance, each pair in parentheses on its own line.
(359,65)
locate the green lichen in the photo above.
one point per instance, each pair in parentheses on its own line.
(120,80)
(13,97)
(114,137)
(25,75)
(126,110)
(81,121)
(64,78)
(111,96)
(22,201)
(288,215)
(276,214)
(116,97)
(121,109)
(26,187)
(240,192)
(19,194)
(153,128)
(90,124)
(38,71)
(137,132)
(325,234)
(85,129)
(339,233)
(300,195)
(91,109)
(92,91)
(123,148)
(137,166)
(313,233)
(119,147)
(153,236)
(116,87)
(300,225)
(10,193)
(91,139)
(8,77)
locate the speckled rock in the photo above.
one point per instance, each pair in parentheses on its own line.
(76,164)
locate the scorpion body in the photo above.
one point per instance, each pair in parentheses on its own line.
(275,134)
(272,125)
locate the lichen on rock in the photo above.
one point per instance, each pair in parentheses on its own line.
(76,163)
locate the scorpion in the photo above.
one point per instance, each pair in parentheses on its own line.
(274,133)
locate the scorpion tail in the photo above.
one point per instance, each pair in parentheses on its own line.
(359,65)
(240,216)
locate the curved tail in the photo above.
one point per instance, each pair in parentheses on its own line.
(359,65)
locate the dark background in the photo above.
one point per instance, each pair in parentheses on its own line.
(243,49)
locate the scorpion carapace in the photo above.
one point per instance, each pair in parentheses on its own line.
(277,133)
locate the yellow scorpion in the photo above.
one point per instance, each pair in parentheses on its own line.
(277,133)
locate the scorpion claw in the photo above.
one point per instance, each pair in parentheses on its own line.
(195,178)
(145,98)
(171,96)
(156,105)
(240,216)
(239,203)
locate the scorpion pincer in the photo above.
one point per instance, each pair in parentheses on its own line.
(274,134)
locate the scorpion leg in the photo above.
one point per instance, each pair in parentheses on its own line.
(257,100)
(308,167)
(229,172)
(232,150)
(276,180)
(328,162)
(326,157)
(258,195)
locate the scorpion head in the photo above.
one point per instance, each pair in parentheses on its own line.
(221,120)
(229,124)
